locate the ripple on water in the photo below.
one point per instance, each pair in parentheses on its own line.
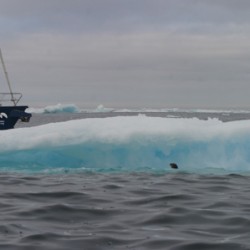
(141,211)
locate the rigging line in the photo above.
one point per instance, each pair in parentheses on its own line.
(7,79)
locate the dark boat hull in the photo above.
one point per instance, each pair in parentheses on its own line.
(9,115)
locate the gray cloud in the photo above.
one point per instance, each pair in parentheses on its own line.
(170,69)
(157,53)
(120,15)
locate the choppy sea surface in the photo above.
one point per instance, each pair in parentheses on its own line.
(73,179)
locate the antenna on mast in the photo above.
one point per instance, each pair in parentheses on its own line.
(7,79)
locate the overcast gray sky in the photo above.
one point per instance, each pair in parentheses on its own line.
(128,53)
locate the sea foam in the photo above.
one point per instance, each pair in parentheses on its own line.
(129,144)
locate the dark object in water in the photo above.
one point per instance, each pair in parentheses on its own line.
(173,165)
(9,115)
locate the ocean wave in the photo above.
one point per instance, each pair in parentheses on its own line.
(129,144)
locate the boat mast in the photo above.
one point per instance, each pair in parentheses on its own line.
(7,79)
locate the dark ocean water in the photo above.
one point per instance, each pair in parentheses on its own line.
(133,211)
(122,209)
